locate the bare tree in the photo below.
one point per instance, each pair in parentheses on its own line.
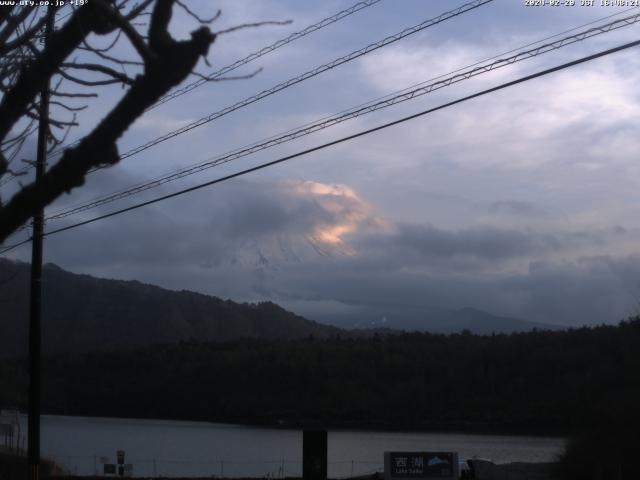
(76,69)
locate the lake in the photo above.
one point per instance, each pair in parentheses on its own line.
(176,448)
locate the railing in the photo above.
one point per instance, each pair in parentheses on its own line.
(217,468)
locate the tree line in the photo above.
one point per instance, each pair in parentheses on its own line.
(546,381)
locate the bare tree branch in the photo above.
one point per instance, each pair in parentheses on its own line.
(94,67)
(91,48)
(134,37)
(165,63)
(5,12)
(67,107)
(59,47)
(12,24)
(224,79)
(252,25)
(73,95)
(203,21)
(17,136)
(119,61)
(170,64)
(56,123)
(55,141)
(138,10)
(159,29)
(87,83)
(23,37)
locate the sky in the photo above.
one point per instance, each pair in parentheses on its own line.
(522,203)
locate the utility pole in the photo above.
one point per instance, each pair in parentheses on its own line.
(33,452)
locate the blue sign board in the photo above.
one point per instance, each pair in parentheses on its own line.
(420,465)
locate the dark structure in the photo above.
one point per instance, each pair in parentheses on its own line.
(314,455)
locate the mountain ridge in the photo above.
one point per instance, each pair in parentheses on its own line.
(436,320)
(128,314)
(116,315)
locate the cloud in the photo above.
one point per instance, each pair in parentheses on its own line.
(589,290)
(489,243)
(298,215)
(516,208)
(156,124)
(522,203)
(326,252)
(403,65)
(323,214)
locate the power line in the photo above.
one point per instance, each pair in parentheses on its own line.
(15,245)
(501,55)
(233,66)
(305,76)
(404,90)
(347,115)
(263,51)
(351,137)
(309,74)
(340,140)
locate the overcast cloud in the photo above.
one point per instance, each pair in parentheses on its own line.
(523,203)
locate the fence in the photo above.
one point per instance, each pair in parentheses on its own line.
(228,468)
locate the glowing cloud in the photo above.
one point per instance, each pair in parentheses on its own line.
(347,213)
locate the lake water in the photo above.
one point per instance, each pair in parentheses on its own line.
(175,448)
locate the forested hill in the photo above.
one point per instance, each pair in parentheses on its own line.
(83,313)
(544,381)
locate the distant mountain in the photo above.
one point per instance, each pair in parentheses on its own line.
(436,320)
(82,313)
(483,323)
(274,252)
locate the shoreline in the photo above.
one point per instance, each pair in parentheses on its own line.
(373,426)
